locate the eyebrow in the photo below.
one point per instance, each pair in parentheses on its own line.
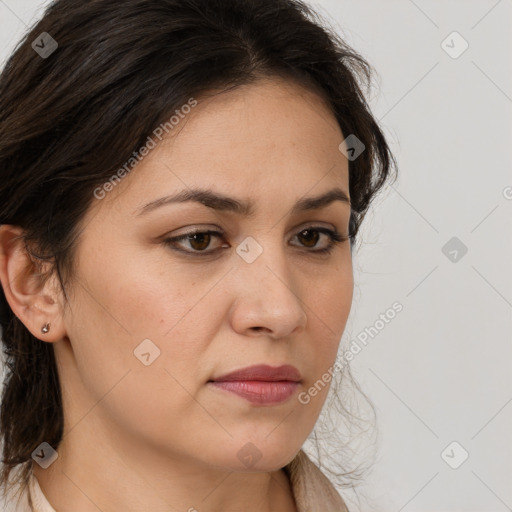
(221,202)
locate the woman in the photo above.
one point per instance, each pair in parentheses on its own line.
(182,183)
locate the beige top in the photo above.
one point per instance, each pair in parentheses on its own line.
(311,489)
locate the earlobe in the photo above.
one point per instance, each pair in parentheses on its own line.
(34,302)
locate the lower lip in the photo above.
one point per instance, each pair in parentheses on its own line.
(260,392)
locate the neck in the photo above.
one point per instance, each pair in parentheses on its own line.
(123,476)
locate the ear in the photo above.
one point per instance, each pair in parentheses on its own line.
(35,303)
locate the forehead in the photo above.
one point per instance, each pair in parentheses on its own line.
(252,140)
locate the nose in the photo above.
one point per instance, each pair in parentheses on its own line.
(267,300)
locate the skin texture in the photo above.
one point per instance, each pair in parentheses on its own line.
(158,437)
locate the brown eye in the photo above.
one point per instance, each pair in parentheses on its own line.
(309,237)
(199,241)
(195,242)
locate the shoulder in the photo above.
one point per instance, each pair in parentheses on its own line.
(24,498)
(15,497)
(311,488)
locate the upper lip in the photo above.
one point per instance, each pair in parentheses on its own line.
(263,372)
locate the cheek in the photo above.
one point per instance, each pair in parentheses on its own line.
(123,306)
(137,299)
(328,312)
(116,307)
(144,399)
(328,304)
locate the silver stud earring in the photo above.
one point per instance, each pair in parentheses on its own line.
(45,328)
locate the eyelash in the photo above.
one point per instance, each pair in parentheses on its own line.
(334,237)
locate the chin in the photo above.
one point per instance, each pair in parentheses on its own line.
(261,454)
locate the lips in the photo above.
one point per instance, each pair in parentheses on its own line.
(260,384)
(262,373)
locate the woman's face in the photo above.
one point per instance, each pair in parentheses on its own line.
(151,322)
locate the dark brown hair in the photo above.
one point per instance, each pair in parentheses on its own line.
(70,120)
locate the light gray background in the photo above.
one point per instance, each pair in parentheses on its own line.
(440,371)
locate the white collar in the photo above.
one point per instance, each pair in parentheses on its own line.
(36,498)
